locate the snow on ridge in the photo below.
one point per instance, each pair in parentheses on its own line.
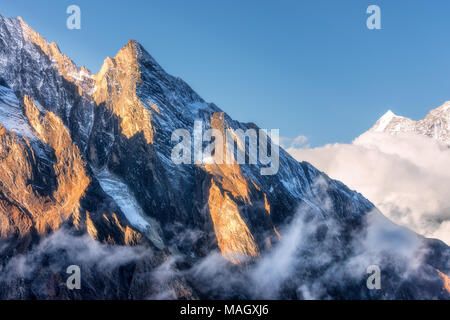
(384,121)
(11,115)
(122,195)
(435,125)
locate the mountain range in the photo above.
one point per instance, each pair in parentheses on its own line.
(86,179)
(435,125)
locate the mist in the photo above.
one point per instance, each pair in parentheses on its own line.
(406,176)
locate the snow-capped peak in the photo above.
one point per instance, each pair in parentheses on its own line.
(435,125)
(384,121)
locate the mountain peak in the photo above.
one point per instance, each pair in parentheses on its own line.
(434,125)
(133,43)
(127,58)
(389,113)
(384,121)
(132,47)
(135,53)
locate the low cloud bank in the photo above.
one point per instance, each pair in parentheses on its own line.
(317,258)
(41,272)
(312,261)
(406,176)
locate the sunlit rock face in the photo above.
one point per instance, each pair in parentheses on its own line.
(446,280)
(47,113)
(87,178)
(233,236)
(116,88)
(45,190)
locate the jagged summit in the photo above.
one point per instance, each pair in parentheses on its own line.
(436,124)
(384,121)
(134,50)
(389,114)
(133,53)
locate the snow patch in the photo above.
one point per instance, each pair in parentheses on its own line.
(120,192)
(384,121)
(445,106)
(11,115)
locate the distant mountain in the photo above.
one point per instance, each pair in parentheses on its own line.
(86,178)
(435,125)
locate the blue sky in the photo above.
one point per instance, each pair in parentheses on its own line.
(306,67)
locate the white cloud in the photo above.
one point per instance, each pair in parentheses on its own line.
(406,176)
(297,142)
(312,257)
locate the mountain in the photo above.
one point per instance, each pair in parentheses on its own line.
(435,125)
(87,179)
